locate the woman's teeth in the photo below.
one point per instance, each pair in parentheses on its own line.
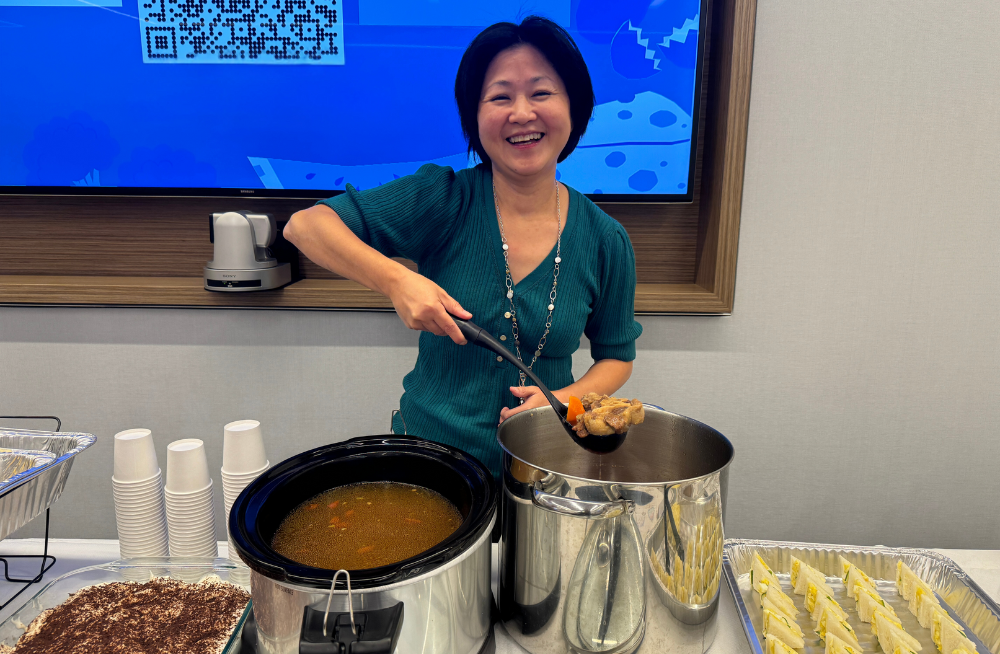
(524,138)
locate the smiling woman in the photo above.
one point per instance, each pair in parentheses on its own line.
(536,263)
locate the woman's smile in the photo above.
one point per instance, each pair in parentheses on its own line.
(523,141)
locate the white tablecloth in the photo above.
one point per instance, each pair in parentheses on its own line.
(982,565)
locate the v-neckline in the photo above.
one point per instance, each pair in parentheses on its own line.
(546,265)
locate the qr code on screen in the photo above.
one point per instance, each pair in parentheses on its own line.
(242,31)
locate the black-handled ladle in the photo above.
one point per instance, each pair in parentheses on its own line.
(593,443)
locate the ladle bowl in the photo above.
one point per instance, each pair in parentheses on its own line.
(475,335)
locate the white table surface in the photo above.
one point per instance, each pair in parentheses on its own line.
(982,565)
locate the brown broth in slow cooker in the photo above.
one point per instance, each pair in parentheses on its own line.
(365,525)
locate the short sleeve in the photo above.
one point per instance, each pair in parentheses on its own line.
(407,217)
(612,327)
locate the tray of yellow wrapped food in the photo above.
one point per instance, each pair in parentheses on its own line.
(839,599)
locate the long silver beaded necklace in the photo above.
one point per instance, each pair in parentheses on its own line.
(512,314)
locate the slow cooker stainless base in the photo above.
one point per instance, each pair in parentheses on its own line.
(446,611)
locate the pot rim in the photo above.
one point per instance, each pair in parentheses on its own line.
(261,558)
(648,407)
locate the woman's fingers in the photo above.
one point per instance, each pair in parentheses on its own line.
(532,399)
(455,309)
(425,306)
(450,329)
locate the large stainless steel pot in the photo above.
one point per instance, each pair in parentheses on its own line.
(620,552)
(438,602)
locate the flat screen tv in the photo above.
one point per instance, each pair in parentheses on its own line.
(296,98)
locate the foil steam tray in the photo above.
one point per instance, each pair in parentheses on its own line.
(27,491)
(189,569)
(959,594)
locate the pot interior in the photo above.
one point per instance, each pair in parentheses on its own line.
(665,448)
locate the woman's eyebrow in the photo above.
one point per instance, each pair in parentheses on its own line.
(533,80)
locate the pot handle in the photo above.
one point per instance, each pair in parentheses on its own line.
(580,508)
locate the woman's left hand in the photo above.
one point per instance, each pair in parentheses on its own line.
(532,396)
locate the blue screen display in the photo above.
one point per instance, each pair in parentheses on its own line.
(316,94)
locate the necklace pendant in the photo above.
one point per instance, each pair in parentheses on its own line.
(510,294)
(507,315)
(558,259)
(506,247)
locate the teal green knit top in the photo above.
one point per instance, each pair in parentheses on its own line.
(446,222)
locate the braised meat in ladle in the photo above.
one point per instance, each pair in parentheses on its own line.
(603,415)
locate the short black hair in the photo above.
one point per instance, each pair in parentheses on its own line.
(555,44)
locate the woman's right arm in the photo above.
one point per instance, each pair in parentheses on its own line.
(320,234)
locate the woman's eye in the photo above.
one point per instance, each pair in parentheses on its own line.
(499,97)
(542,93)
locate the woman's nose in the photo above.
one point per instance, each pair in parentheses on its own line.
(522,111)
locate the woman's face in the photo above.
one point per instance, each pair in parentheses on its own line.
(524,120)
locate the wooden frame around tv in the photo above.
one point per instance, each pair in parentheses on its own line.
(150,251)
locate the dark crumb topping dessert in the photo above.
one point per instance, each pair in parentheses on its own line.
(160,615)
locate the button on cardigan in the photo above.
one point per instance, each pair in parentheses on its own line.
(446,222)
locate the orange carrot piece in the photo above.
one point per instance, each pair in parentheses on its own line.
(413,521)
(334,520)
(366,549)
(575,410)
(333,505)
(313,506)
(349,513)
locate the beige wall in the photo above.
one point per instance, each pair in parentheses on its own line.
(858,377)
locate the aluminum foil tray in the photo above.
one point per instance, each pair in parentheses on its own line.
(960,595)
(30,491)
(190,570)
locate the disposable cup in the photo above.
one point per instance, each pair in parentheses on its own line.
(145,548)
(139,518)
(195,538)
(130,516)
(135,457)
(155,549)
(187,466)
(236,487)
(199,533)
(242,447)
(181,511)
(141,524)
(202,537)
(151,506)
(211,551)
(181,517)
(246,475)
(155,480)
(136,541)
(205,534)
(138,491)
(146,532)
(194,500)
(190,517)
(200,549)
(153,495)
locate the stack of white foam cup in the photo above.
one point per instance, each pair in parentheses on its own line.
(190,507)
(138,491)
(243,460)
